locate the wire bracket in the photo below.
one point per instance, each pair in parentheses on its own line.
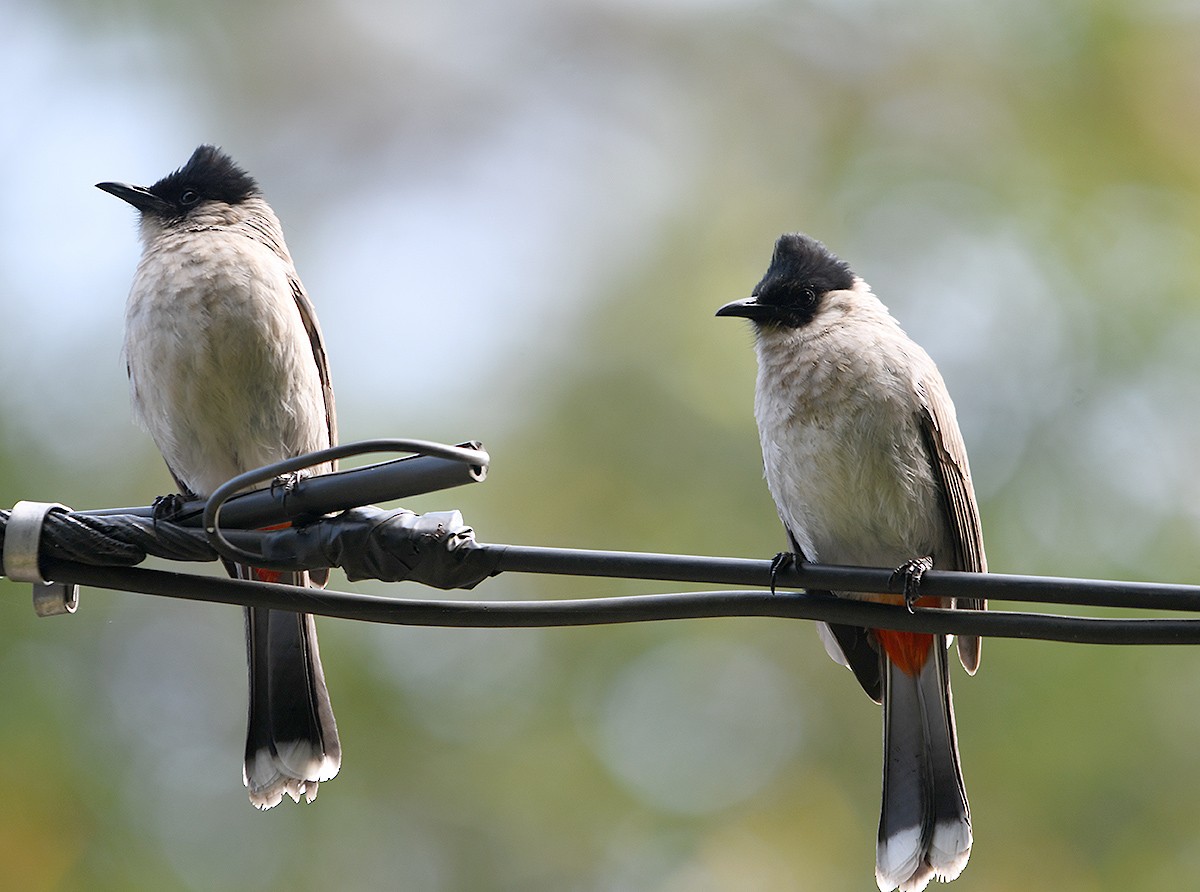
(22,538)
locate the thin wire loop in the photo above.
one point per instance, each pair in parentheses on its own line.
(269,473)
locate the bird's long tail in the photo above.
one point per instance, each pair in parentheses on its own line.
(925,821)
(291,736)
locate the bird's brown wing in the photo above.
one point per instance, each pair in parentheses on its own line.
(948,457)
(308,315)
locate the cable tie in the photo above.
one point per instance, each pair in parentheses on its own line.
(22,540)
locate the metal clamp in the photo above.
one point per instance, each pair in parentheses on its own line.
(22,539)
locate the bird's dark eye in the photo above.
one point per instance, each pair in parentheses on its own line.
(808,296)
(188,197)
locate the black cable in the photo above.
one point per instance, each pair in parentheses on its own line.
(935,583)
(127,539)
(638,608)
(295,498)
(439,467)
(116,540)
(126,536)
(438,550)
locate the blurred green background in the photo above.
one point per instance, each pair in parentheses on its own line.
(516,221)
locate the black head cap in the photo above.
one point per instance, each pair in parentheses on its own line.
(209,175)
(802,270)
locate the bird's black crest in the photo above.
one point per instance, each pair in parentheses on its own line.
(210,175)
(801,271)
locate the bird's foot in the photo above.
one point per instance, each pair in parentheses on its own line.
(781,561)
(167,508)
(287,482)
(912,571)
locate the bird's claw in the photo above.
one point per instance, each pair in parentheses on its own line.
(287,482)
(911,572)
(166,508)
(781,561)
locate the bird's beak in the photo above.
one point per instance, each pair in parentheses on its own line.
(138,196)
(747,308)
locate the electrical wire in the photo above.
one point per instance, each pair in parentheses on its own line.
(635,608)
(98,548)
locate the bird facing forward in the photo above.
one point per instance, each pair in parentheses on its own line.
(227,371)
(865,462)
